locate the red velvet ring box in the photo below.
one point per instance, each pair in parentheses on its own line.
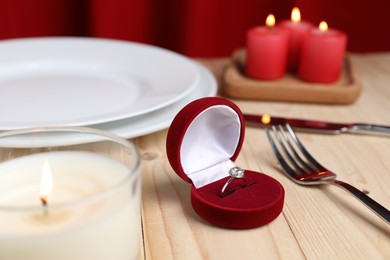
(203,142)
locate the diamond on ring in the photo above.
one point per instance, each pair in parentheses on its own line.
(236,172)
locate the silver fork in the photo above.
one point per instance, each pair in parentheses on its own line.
(305,170)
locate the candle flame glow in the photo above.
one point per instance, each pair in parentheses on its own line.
(46,182)
(265,119)
(323,26)
(270,21)
(295,15)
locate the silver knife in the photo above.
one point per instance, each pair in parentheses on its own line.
(317,126)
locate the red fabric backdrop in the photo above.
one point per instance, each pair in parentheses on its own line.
(197,28)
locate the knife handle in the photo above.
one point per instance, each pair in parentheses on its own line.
(369,129)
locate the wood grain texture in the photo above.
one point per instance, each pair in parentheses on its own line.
(317,222)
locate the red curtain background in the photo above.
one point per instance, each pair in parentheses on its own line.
(196,28)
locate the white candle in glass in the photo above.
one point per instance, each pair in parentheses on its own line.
(93,211)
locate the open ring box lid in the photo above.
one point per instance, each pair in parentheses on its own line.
(203,142)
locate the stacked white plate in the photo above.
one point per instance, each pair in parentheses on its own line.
(125,88)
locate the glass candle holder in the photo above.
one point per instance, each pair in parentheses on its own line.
(68,193)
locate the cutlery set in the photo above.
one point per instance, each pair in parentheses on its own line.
(300,166)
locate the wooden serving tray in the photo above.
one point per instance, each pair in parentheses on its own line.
(290,88)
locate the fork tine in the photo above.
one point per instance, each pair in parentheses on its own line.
(308,168)
(298,168)
(290,172)
(308,156)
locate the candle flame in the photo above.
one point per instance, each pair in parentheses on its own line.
(265,119)
(295,15)
(323,26)
(46,182)
(270,21)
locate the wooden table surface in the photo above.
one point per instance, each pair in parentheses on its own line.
(317,222)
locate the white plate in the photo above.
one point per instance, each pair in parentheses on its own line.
(135,126)
(84,81)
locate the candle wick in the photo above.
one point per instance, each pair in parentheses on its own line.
(44,205)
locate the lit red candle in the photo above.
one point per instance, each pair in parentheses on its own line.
(297,31)
(266,51)
(322,55)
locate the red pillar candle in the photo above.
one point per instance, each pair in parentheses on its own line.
(266,48)
(322,55)
(297,31)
